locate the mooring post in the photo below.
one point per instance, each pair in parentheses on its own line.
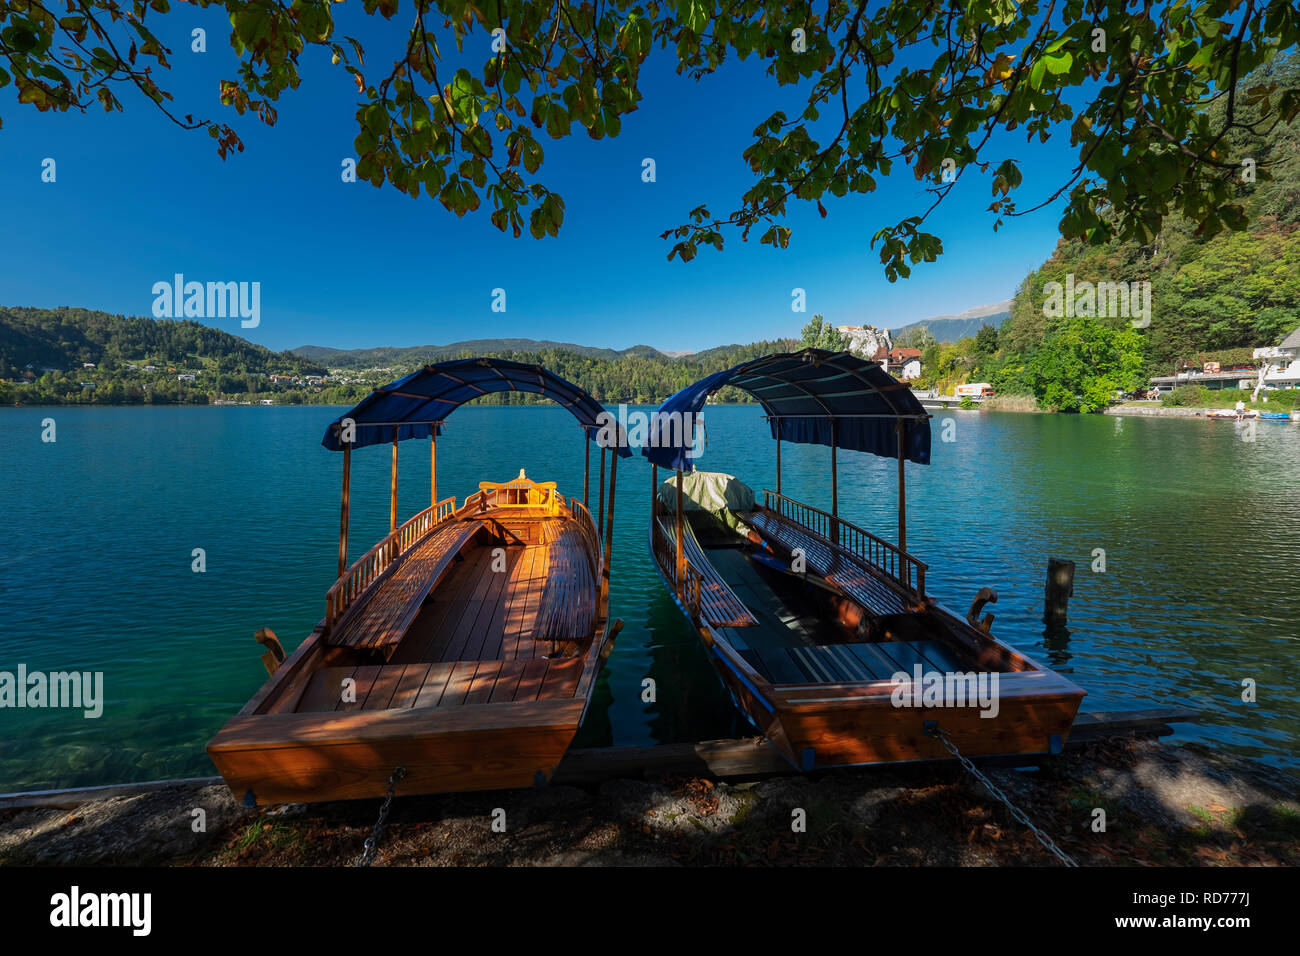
(1060,587)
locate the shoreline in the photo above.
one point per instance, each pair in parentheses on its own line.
(1163,805)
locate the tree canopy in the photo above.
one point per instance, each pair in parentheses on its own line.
(1146,93)
(820,334)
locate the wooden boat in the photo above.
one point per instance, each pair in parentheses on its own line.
(822,631)
(462,648)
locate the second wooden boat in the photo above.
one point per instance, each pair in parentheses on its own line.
(458,653)
(821,630)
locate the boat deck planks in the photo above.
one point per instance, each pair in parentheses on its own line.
(453,684)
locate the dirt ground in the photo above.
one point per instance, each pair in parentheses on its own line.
(1163,805)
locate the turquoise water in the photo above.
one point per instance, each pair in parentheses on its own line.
(1201,533)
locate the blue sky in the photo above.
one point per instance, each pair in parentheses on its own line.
(137,200)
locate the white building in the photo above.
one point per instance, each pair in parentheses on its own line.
(1282,362)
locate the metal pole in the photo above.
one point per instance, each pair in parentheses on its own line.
(392,498)
(586,467)
(343,517)
(433,467)
(681,545)
(778,457)
(609,529)
(654,493)
(600,515)
(902,494)
(835,489)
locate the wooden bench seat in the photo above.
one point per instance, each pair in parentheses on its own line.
(842,569)
(852,663)
(568,608)
(457,684)
(381,616)
(719,605)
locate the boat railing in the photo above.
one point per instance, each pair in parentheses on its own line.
(589,535)
(860,543)
(689,586)
(371,565)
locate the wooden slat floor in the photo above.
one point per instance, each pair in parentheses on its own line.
(478,638)
(446,684)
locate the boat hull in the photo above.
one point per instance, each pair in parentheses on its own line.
(300,758)
(815,727)
(481,686)
(820,725)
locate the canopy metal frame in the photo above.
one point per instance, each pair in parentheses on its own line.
(506,376)
(756,378)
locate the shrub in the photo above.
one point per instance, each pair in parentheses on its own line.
(1186,396)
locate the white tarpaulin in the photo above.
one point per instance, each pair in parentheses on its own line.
(712,492)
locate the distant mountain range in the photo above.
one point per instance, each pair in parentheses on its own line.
(414,355)
(950,328)
(945,328)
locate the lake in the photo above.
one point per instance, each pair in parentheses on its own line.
(1199,530)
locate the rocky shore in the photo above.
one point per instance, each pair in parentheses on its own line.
(1160,804)
(1155,410)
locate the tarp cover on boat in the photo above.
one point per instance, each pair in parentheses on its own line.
(712,492)
(416,404)
(808,397)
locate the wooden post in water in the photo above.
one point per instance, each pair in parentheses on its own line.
(1060,587)
(433,467)
(586,467)
(681,544)
(902,495)
(392,498)
(347,498)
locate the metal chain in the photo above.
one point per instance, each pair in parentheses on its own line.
(372,841)
(933,730)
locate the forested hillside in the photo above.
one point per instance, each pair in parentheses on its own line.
(1216,294)
(44,353)
(79,356)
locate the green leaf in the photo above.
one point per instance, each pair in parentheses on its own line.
(1036,73)
(1060,64)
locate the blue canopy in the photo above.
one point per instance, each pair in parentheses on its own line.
(813,397)
(417,404)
